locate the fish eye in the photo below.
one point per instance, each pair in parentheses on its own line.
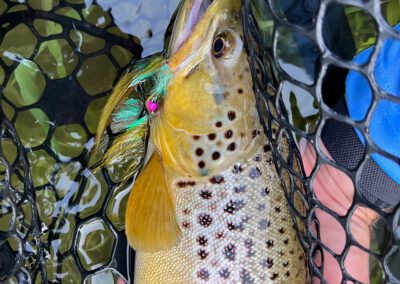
(224,45)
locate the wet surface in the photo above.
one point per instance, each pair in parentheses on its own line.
(59,61)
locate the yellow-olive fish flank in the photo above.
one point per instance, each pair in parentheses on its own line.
(208,207)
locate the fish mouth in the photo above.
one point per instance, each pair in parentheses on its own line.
(189,15)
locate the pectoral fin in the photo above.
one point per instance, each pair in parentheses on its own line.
(150,217)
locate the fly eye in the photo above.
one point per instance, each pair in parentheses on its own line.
(224,45)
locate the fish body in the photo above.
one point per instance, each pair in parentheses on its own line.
(208,205)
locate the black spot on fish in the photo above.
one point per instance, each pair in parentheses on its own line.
(266,190)
(287,274)
(203,274)
(286,241)
(218,124)
(230,207)
(219,235)
(267,148)
(199,151)
(202,253)
(291,251)
(240,91)
(274,276)
(202,164)
(186,224)
(195,137)
(281,253)
(228,134)
(212,136)
(217,179)
(205,194)
(230,252)
(237,169)
(181,184)
(281,230)
(270,243)
(224,273)
(255,133)
(186,211)
(231,115)
(257,159)
(270,262)
(216,155)
(285,264)
(231,147)
(202,240)
(205,220)
(277,209)
(231,226)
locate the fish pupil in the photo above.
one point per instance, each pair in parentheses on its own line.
(218,46)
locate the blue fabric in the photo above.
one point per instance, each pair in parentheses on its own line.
(385,121)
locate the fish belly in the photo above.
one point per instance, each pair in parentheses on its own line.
(236,228)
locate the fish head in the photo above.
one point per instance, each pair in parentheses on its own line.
(208,117)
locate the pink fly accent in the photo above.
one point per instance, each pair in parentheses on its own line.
(152,106)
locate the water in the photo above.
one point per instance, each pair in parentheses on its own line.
(59,62)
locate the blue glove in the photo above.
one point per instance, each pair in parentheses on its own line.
(385,121)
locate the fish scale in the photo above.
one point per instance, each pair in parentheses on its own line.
(235,229)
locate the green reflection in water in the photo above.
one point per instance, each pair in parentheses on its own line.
(95,244)
(69,13)
(93,113)
(86,43)
(122,55)
(116,207)
(93,195)
(96,16)
(32,127)
(104,277)
(70,272)
(9,149)
(43,5)
(57,58)
(65,178)
(18,41)
(47,28)
(42,167)
(45,202)
(3,7)
(68,140)
(26,84)
(94,68)
(8,110)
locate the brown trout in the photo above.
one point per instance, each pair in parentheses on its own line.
(207,206)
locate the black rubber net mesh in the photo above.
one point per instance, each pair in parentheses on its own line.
(344,205)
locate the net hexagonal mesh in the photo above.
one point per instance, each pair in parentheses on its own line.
(60,222)
(318,73)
